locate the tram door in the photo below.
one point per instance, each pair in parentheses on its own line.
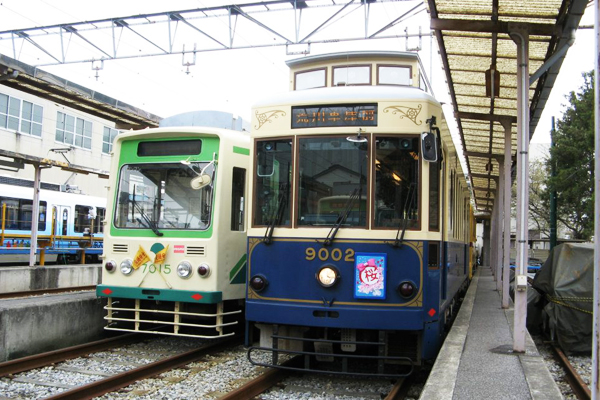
(63,215)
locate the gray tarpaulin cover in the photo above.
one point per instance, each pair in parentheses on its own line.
(565,284)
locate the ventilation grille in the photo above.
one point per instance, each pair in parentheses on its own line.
(120,248)
(194,251)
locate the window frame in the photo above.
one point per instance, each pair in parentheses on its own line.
(369,66)
(111,138)
(325,78)
(291,199)
(20,119)
(418,222)
(410,78)
(296,175)
(74,133)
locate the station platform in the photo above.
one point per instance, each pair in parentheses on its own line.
(31,325)
(23,278)
(476,360)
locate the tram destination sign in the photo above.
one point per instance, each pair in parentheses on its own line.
(334,115)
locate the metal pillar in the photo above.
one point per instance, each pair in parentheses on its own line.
(507,195)
(35,213)
(494,240)
(499,200)
(521,38)
(594,388)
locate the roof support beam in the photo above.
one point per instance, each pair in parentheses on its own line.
(493,27)
(485,176)
(498,157)
(487,117)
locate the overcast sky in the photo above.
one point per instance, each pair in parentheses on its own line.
(232,80)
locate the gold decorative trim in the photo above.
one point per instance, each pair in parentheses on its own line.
(265,117)
(405,111)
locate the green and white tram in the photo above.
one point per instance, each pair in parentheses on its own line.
(174,260)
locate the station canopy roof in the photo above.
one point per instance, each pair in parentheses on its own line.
(474,37)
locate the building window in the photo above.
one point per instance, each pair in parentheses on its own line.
(20,115)
(73,131)
(108,138)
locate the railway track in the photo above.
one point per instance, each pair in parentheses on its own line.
(29,293)
(580,388)
(130,358)
(272,377)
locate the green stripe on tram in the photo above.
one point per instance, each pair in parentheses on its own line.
(241,150)
(238,273)
(187,296)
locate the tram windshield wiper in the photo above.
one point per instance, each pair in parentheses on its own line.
(341,218)
(276,218)
(147,223)
(408,206)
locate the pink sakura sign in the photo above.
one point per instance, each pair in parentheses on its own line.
(369,275)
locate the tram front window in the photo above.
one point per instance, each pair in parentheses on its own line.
(272,182)
(162,196)
(333,181)
(396,182)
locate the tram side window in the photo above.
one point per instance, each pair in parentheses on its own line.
(434,196)
(100,215)
(83,219)
(19,212)
(238,187)
(273,182)
(397,182)
(332,181)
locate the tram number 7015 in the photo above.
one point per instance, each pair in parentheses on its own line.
(324,254)
(153,268)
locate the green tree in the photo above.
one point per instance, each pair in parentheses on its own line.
(573,153)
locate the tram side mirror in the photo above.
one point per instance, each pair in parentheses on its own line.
(429,146)
(200,181)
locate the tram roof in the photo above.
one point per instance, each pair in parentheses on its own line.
(332,95)
(350,55)
(473,35)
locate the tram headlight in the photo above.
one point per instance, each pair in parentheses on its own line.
(204,270)
(258,283)
(328,276)
(184,269)
(110,266)
(407,289)
(126,267)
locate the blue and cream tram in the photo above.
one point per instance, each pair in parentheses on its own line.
(359,218)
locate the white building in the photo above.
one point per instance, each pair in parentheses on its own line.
(45,116)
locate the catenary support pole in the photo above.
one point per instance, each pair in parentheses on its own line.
(521,38)
(35,213)
(507,195)
(595,389)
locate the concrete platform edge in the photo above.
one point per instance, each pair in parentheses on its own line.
(541,384)
(442,379)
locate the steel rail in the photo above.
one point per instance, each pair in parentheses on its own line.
(399,390)
(27,293)
(43,359)
(110,384)
(261,383)
(580,388)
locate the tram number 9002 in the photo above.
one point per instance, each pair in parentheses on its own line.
(324,254)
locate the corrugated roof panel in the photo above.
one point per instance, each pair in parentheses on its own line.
(467,55)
